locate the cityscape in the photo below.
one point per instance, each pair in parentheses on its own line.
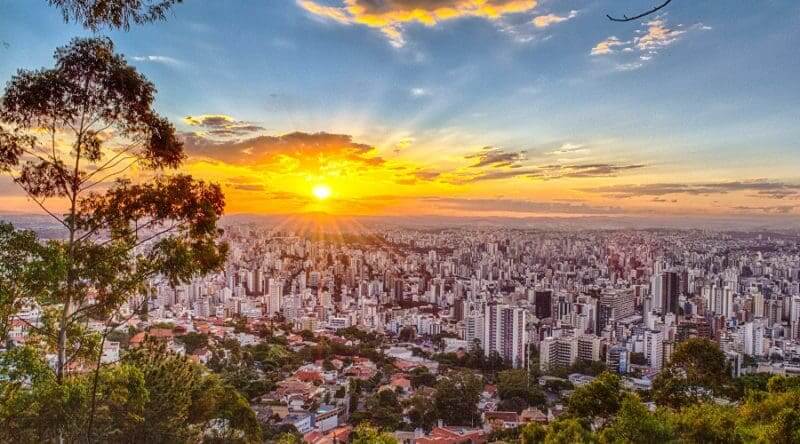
(399,222)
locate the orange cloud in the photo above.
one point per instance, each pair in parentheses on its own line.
(543,21)
(294,151)
(606,46)
(390,16)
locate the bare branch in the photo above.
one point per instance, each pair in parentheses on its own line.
(625,18)
(112,174)
(38,202)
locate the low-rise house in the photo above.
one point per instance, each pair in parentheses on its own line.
(532,414)
(453,435)
(501,420)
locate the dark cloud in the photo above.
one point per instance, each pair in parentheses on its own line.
(496,157)
(309,151)
(220,125)
(776,209)
(247,187)
(500,174)
(762,187)
(552,172)
(588,170)
(417,176)
(519,206)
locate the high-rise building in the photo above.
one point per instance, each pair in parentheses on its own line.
(670,290)
(275,294)
(565,351)
(543,303)
(654,348)
(617,359)
(794,317)
(754,338)
(504,333)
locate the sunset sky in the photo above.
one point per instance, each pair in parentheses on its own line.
(467,107)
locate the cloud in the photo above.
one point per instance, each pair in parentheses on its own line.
(776,209)
(496,157)
(763,187)
(606,46)
(517,206)
(647,42)
(402,144)
(418,176)
(568,148)
(500,174)
(543,21)
(420,92)
(221,125)
(294,151)
(164,60)
(339,15)
(587,170)
(658,36)
(550,172)
(247,187)
(496,163)
(390,16)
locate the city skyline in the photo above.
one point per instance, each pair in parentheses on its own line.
(504,108)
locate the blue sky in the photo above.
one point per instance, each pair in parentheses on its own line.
(705,92)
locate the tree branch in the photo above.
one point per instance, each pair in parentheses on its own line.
(38,202)
(625,18)
(112,174)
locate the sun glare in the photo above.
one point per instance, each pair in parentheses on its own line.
(321,192)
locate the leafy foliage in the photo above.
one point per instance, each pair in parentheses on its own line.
(457,396)
(517,390)
(696,372)
(367,434)
(600,398)
(151,396)
(96,14)
(81,132)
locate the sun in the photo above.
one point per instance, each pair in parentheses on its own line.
(321,192)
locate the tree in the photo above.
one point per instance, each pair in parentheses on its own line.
(289,438)
(96,14)
(407,334)
(184,400)
(151,396)
(421,410)
(457,396)
(600,398)
(512,383)
(532,433)
(568,431)
(80,133)
(23,272)
(421,376)
(517,385)
(751,382)
(194,341)
(772,416)
(384,410)
(697,371)
(367,434)
(707,423)
(634,423)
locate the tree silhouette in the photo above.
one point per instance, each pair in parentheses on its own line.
(83,137)
(120,14)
